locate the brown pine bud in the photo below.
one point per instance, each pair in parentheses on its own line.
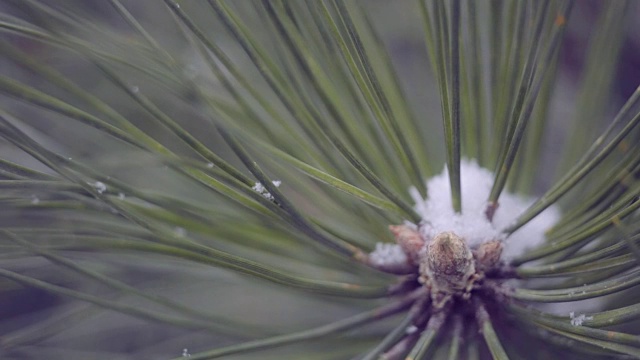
(488,255)
(448,263)
(409,240)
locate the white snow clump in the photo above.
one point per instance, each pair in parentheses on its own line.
(578,320)
(437,211)
(259,188)
(386,254)
(100,187)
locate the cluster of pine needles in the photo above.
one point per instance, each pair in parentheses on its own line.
(206,179)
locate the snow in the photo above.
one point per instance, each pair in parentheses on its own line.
(578,320)
(100,187)
(438,214)
(180,231)
(386,254)
(411,330)
(259,188)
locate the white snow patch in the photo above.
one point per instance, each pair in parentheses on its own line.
(180,231)
(35,200)
(121,196)
(438,214)
(100,187)
(259,188)
(210,165)
(185,353)
(578,320)
(411,330)
(386,254)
